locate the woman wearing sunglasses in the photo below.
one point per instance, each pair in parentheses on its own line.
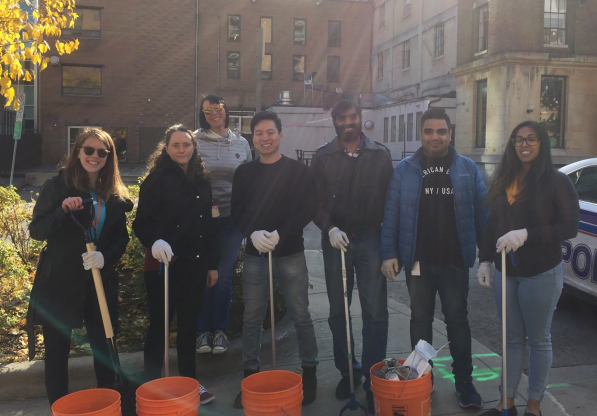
(533,208)
(223,151)
(63,295)
(174,223)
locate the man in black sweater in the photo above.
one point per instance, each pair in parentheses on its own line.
(351,174)
(271,204)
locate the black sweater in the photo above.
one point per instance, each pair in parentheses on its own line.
(272,197)
(550,216)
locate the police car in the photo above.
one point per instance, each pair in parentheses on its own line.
(580,253)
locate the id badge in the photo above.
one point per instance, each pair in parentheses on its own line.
(416,271)
(215,211)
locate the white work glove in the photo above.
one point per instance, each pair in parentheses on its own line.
(161,251)
(512,241)
(93,260)
(338,239)
(274,238)
(390,268)
(261,241)
(485,274)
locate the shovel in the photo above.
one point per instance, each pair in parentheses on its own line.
(504,362)
(352,404)
(271,308)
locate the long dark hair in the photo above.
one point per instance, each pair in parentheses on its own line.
(109,184)
(213,99)
(161,158)
(511,166)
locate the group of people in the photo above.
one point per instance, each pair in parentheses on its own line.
(204,194)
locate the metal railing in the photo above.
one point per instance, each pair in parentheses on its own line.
(7,122)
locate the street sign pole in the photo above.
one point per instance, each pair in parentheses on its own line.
(17,133)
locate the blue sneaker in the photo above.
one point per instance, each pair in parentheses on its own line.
(468,396)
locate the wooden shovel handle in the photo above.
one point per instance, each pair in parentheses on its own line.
(101,296)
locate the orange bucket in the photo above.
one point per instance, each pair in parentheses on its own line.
(170,396)
(92,402)
(272,393)
(407,398)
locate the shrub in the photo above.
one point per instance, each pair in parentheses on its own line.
(15,287)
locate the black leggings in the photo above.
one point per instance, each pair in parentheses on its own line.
(187,285)
(57,340)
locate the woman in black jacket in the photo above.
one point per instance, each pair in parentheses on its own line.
(533,208)
(174,223)
(63,294)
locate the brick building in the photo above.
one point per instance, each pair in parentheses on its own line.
(143,66)
(413,52)
(520,60)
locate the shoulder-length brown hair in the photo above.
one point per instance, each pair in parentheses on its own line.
(161,158)
(109,184)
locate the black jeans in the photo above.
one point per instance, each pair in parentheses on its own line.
(57,340)
(452,285)
(187,285)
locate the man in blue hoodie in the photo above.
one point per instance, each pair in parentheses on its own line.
(433,221)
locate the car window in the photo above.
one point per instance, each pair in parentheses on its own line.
(586,184)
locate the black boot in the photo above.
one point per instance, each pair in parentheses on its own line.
(309,384)
(238,404)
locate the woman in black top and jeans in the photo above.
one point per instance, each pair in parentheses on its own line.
(174,223)
(533,208)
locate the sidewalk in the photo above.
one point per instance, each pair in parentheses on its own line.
(22,388)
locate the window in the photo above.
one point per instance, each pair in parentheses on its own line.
(299,63)
(481,113)
(382,15)
(419,115)
(233,65)
(483,16)
(401,128)
(234,28)
(334,33)
(585,182)
(380,65)
(553,107)
(119,134)
(409,127)
(385,129)
(393,138)
(438,40)
(88,25)
(333,69)
(300,31)
(406,54)
(407,8)
(266,66)
(81,80)
(554,22)
(266,24)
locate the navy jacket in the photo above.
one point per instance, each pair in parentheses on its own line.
(399,229)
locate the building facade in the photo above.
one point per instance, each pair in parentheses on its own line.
(412,55)
(143,66)
(521,60)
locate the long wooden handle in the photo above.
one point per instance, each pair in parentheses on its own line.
(101,296)
(347,316)
(271,307)
(166,320)
(504,363)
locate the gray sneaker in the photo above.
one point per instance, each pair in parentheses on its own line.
(203,344)
(220,343)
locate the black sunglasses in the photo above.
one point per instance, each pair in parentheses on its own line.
(101,153)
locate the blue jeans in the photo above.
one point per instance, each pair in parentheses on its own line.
(291,273)
(216,300)
(452,285)
(530,304)
(363,257)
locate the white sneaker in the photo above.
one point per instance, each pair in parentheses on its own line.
(203,344)
(220,343)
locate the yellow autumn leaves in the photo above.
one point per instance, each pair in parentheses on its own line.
(24,28)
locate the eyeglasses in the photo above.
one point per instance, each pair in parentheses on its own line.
(101,153)
(342,117)
(531,140)
(216,107)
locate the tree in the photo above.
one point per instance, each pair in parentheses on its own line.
(24,28)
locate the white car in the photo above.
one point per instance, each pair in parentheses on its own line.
(580,253)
